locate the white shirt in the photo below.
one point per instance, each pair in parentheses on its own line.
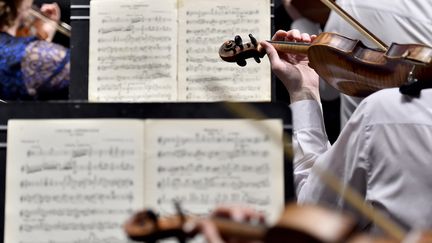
(393,21)
(384,152)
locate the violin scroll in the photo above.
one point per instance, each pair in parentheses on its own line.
(236,51)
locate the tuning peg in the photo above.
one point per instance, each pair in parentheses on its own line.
(151,215)
(253,40)
(241,62)
(239,42)
(181,237)
(257,59)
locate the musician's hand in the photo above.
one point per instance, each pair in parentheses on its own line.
(235,213)
(300,80)
(52,11)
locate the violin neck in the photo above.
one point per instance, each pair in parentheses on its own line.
(291,47)
(229,228)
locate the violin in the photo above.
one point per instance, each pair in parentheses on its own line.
(346,64)
(33,25)
(297,224)
(313,10)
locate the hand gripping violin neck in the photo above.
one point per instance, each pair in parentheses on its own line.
(347,64)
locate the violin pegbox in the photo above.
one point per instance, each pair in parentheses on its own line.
(236,51)
(146,226)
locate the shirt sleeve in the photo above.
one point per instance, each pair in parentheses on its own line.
(309,138)
(46,68)
(346,159)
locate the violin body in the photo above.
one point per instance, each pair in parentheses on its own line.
(32,27)
(356,70)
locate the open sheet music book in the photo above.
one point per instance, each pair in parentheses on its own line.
(167,50)
(79,180)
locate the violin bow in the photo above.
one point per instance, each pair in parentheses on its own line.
(354,23)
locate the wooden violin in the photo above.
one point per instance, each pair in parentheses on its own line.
(33,25)
(347,64)
(298,224)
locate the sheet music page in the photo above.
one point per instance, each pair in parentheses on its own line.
(204,25)
(133,50)
(72,181)
(204,163)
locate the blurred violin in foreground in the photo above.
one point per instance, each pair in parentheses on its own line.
(347,64)
(299,224)
(33,25)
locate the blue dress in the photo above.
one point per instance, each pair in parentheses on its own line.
(31,69)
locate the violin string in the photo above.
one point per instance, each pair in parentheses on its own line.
(291,47)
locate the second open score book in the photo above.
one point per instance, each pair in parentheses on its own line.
(167,50)
(81,179)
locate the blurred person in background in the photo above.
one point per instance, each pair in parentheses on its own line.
(30,68)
